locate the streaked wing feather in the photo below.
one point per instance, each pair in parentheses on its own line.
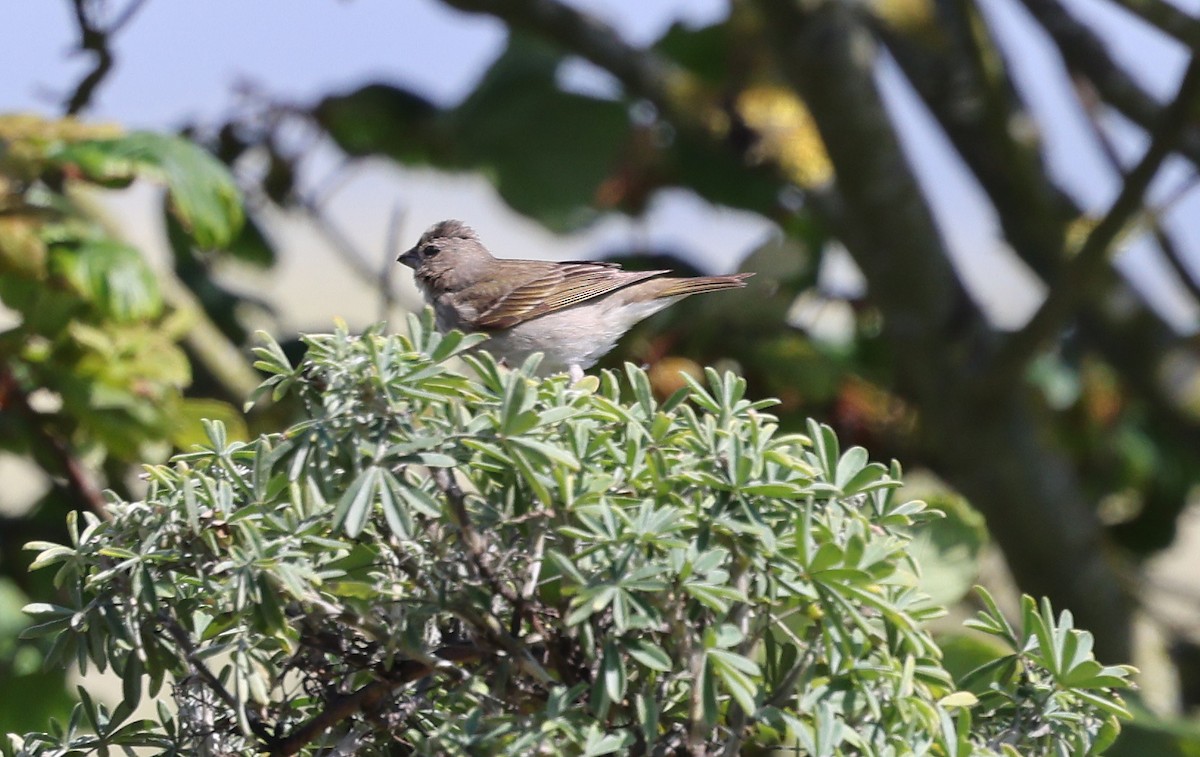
(557,286)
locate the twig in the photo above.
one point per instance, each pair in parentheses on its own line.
(364,699)
(680,97)
(1175,259)
(95,39)
(347,250)
(643,73)
(184,642)
(477,548)
(1167,18)
(1032,211)
(1086,54)
(391,251)
(79,481)
(1082,270)
(1154,216)
(212,348)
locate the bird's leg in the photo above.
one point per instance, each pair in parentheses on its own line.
(575,372)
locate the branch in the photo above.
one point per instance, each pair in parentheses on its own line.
(1167,18)
(185,644)
(94,39)
(355,258)
(366,698)
(79,481)
(681,98)
(963,66)
(477,547)
(1154,217)
(644,74)
(1082,271)
(1174,257)
(212,348)
(1086,54)
(829,57)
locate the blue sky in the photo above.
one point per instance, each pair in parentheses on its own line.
(181,60)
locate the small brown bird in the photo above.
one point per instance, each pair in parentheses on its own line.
(573,313)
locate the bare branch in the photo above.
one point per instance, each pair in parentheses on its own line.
(1086,54)
(1081,272)
(79,481)
(964,83)
(1153,216)
(1167,18)
(643,73)
(680,97)
(96,39)
(223,359)
(828,55)
(478,548)
(391,251)
(1187,278)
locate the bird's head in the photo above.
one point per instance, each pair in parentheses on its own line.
(448,250)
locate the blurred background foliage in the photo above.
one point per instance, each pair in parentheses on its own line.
(1071,443)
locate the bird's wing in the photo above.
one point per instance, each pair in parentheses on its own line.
(554,286)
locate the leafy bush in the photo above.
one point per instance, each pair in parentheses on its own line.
(95,367)
(431,563)
(91,329)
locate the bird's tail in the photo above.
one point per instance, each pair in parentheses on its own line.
(698,284)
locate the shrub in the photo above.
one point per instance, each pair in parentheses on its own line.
(431,563)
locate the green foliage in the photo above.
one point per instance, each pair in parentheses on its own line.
(1050,686)
(517,104)
(440,564)
(92,333)
(91,372)
(201,192)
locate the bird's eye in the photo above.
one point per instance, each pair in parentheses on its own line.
(430,252)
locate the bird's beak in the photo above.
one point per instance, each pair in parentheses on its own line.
(409,258)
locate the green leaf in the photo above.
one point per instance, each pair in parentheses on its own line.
(519,105)
(948,549)
(381,119)
(850,466)
(704,51)
(252,246)
(188,422)
(201,191)
(547,451)
(612,669)
(354,507)
(111,276)
(649,654)
(734,672)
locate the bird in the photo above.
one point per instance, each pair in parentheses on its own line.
(571,312)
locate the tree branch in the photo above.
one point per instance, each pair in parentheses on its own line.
(366,698)
(1081,273)
(962,80)
(680,97)
(95,39)
(180,636)
(1085,54)
(212,348)
(644,74)
(940,345)
(1154,217)
(1167,18)
(1029,492)
(829,56)
(79,481)
(478,548)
